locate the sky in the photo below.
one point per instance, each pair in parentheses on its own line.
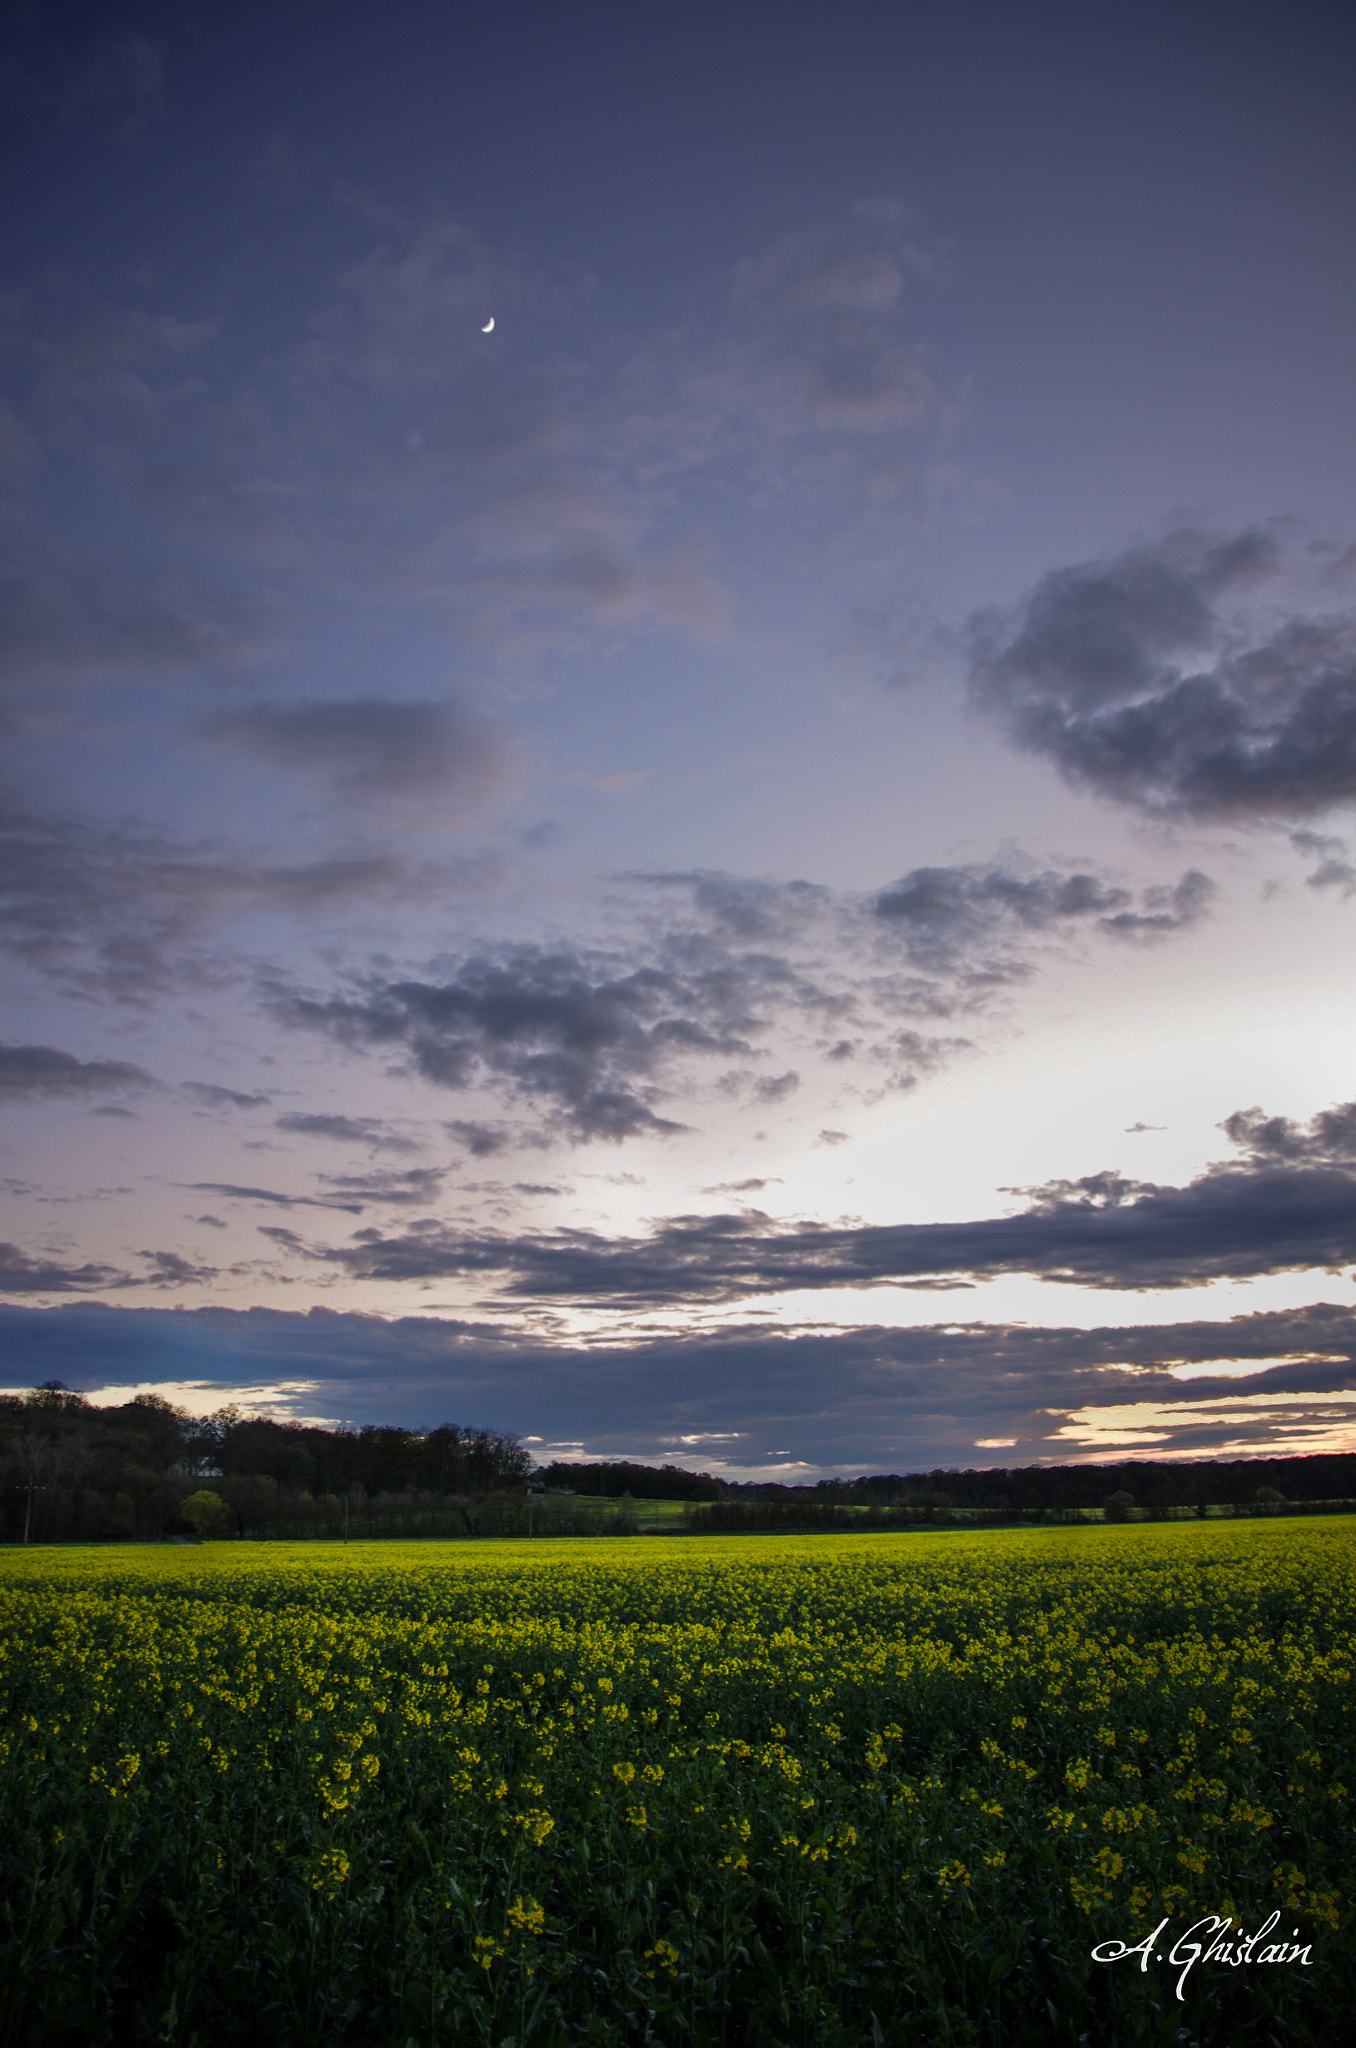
(679,715)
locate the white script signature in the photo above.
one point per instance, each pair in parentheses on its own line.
(1207,1941)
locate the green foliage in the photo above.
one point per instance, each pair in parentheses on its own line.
(207,1513)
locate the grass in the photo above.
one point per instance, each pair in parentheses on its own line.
(648,1514)
(812,1790)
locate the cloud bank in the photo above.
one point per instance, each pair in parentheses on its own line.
(856,1400)
(1281,1210)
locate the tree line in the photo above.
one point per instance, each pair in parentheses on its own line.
(1153,1485)
(615,1478)
(70,1471)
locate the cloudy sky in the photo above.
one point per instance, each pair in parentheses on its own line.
(679,695)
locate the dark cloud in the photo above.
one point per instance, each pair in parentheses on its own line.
(1147,677)
(948,916)
(482,1141)
(1328,1139)
(212,1096)
(373,750)
(1335,869)
(959,902)
(584,1035)
(416,1186)
(356,1130)
(743,1187)
(776,1087)
(20,1274)
(271,1195)
(170,1269)
(907,1057)
(1164,911)
(745,907)
(863,1399)
(1290,1207)
(30,1071)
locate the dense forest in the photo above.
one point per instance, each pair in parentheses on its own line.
(73,1472)
(619,1477)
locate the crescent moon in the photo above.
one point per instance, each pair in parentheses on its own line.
(488,328)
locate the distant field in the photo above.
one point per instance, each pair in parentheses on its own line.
(789,1790)
(649,1514)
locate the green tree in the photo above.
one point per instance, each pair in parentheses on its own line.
(206,1512)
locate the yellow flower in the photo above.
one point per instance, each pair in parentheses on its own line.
(527,1916)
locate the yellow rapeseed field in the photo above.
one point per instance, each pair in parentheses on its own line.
(821,1790)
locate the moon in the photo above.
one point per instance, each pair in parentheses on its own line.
(488,328)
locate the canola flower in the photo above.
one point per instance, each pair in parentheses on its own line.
(785,1789)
